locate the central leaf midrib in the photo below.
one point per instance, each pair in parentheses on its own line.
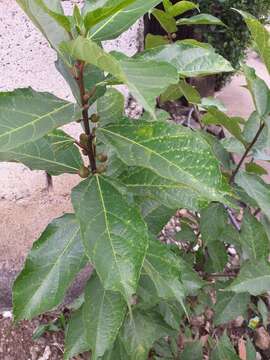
(193,179)
(108,230)
(35,120)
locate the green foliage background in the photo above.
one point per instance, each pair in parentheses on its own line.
(234,44)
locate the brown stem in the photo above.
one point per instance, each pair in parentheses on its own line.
(85,106)
(250,146)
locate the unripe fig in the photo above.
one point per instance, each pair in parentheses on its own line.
(102,157)
(84,139)
(101,168)
(83,172)
(94,118)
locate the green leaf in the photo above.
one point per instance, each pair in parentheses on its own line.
(155,40)
(254,239)
(166,21)
(94,17)
(168,150)
(117,352)
(54,261)
(75,338)
(263,310)
(229,305)
(191,58)
(116,24)
(259,91)
(224,350)
(26,115)
(55,153)
(208,102)
(216,117)
(218,256)
(156,215)
(181,7)
(192,350)
(190,93)
(256,189)
(214,220)
(111,107)
(254,278)
(254,168)
(260,35)
(54,32)
(140,332)
(146,183)
(172,313)
(201,19)
(112,226)
(157,76)
(162,266)
(103,314)
(251,351)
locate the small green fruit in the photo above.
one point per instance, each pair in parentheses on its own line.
(95,118)
(102,157)
(84,139)
(83,172)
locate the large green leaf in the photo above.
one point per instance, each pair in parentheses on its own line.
(254,239)
(75,338)
(201,19)
(167,21)
(171,151)
(224,350)
(259,90)
(190,57)
(214,220)
(256,189)
(181,7)
(55,259)
(144,182)
(121,21)
(48,25)
(192,350)
(26,115)
(114,234)
(55,153)
(103,314)
(162,266)
(254,278)
(229,305)
(145,79)
(140,332)
(110,107)
(260,35)
(109,9)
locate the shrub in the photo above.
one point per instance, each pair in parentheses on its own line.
(143,295)
(231,44)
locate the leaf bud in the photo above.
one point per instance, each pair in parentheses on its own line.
(174,36)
